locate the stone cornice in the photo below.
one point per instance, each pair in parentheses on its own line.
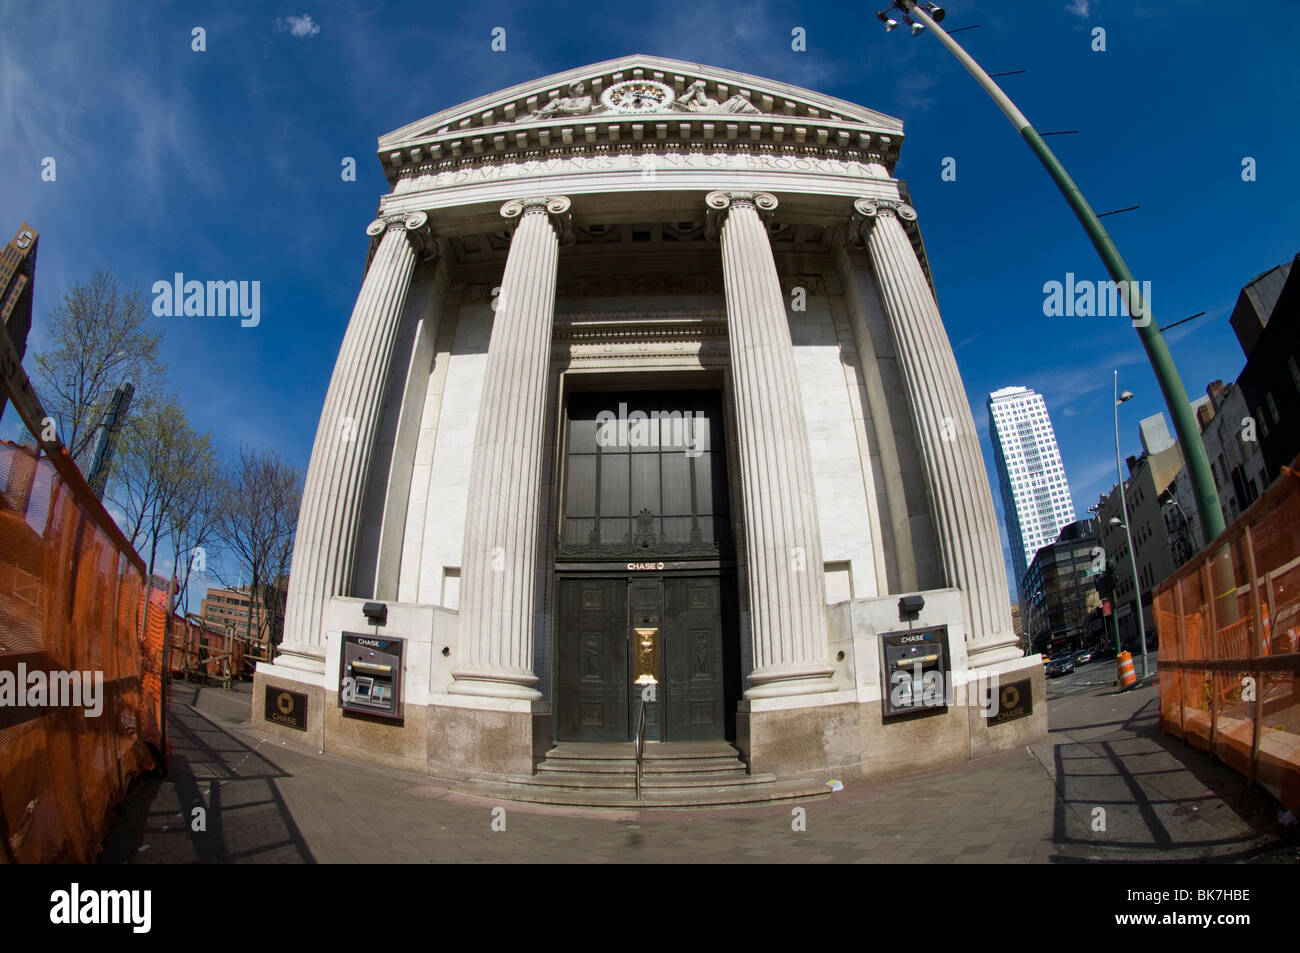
(638,338)
(651,145)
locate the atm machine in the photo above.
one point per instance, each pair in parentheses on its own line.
(915,670)
(370,675)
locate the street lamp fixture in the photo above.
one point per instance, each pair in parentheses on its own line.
(935,11)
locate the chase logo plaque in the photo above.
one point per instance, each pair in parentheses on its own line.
(286,708)
(1015,700)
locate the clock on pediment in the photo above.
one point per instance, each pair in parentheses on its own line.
(637,96)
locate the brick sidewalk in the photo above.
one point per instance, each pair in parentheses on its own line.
(270,802)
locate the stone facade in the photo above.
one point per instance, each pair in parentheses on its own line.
(661,226)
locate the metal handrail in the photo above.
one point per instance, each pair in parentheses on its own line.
(640,748)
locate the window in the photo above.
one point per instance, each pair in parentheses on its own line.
(645,487)
(1272,406)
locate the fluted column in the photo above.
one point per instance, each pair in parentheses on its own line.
(498,592)
(325,545)
(960,498)
(787,593)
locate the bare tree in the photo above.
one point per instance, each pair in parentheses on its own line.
(160,475)
(259,517)
(193,523)
(98,338)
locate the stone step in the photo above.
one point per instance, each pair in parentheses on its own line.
(628,766)
(680,798)
(613,781)
(654,751)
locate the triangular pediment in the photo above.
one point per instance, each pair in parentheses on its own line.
(637,87)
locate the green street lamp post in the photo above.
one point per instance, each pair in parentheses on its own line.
(1171,385)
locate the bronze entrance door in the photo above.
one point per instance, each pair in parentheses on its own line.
(596,695)
(644,543)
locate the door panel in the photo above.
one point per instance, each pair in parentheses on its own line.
(596,699)
(695,683)
(592,696)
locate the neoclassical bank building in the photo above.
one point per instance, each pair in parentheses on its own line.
(646,426)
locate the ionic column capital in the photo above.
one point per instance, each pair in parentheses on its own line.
(416,227)
(721,202)
(555,207)
(867,212)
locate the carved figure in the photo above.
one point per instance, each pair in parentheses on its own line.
(696,100)
(575,104)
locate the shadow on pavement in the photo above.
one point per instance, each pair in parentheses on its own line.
(1126,791)
(181,817)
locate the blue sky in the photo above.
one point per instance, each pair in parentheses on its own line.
(224,164)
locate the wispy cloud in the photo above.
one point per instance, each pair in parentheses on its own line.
(1059,385)
(1080,8)
(299,26)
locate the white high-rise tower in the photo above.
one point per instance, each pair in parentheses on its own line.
(1035,494)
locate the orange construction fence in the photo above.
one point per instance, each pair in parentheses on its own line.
(1229,624)
(201,651)
(80,674)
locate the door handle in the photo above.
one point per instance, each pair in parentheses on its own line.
(646,651)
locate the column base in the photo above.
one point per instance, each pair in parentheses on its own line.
(301,656)
(494,683)
(804,678)
(485,739)
(994,651)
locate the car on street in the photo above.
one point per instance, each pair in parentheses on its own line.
(1082,657)
(1060,665)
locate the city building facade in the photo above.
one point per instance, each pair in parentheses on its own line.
(1146,492)
(1061,590)
(1267,322)
(233,612)
(1036,501)
(646,405)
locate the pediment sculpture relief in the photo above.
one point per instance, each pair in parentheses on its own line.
(638,97)
(696,100)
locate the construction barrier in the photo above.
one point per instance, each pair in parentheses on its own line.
(81,693)
(1127,677)
(1229,624)
(200,652)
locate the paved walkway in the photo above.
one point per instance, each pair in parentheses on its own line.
(270,802)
